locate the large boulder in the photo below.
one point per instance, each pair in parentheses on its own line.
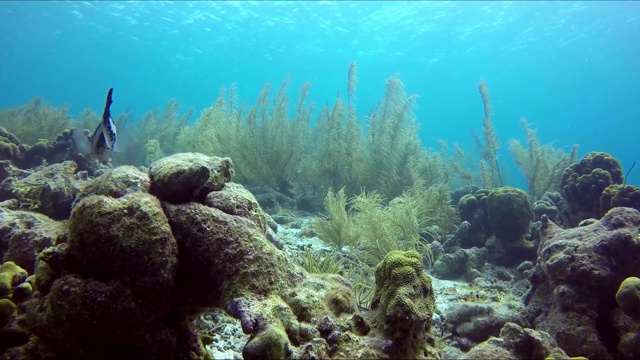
(24,234)
(573,297)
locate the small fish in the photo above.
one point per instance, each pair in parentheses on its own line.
(103,141)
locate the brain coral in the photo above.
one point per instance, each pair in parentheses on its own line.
(405,302)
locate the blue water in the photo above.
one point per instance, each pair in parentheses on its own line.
(571,68)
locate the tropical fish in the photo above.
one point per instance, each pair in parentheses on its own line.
(103,141)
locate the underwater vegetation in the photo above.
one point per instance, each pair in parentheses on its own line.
(325,239)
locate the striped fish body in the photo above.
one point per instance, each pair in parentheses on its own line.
(103,140)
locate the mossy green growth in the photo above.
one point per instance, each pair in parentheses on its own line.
(11,275)
(510,213)
(7,311)
(628,297)
(267,344)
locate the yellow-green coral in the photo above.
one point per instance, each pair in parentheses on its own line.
(402,288)
(399,225)
(11,275)
(404,301)
(628,297)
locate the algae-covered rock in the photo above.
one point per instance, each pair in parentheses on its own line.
(24,234)
(321,294)
(185,177)
(267,344)
(628,297)
(127,240)
(578,275)
(464,263)
(477,321)
(85,318)
(234,199)
(116,183)
(228,253)
(404,302)
(49,191)
(107,292)
(515,342)
(8,312)
(11,275)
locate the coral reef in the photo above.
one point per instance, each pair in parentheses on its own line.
(576,280)
(583,183)
(472,208)
(142,262)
